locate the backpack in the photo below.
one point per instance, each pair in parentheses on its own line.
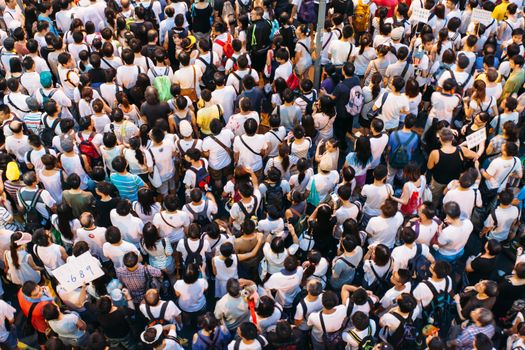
(419,265)
(149,14)
(355,101)
(274,197)
(48,132)
(201,217)
(207,76)
(32,217)
(401,156)
(228,13)
(45,97)
(87,148)
(162,84)
(193,257)
(309,109)
(157,320)
(440,311)
(251,215)
(414,202)
(244,8)
(227,48)
(262,343)
(406,336)
(293,81)
(381,284)
(367,342)
(307,13)
(361,18)
(518,306)
(331,340)
(202,177)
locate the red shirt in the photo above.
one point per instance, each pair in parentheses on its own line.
(37,320)
(390,4)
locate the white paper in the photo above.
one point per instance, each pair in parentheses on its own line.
(481,16)
(420,15)
(476,138)
(78,271)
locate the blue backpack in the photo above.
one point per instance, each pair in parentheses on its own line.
(307,13)
(419,265)
(441,310)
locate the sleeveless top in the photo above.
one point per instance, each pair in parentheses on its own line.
(72,165)
(449,166)
(50,256)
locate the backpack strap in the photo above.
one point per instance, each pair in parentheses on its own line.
(220,143)
(348,263)
(494,218)
(148,311)
(164,307)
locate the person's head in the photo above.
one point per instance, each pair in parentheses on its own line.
(32,290)
(519,269)
(191,274)
(250,126)
(440,269)
(483,342)
(360,320)
(290,263)
(482,316)
(389,208)
(505,197)
(113,235)
(329,300)
(400,277)
(51,311)
(408,235)
(380,173)
(247,331)
(30,178)
(406,303)
(381,255)
(445,136)
(487,287)
(73,181)
(509,149)
(314,288)
(233,287)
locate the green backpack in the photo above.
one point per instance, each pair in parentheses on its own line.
(163,84)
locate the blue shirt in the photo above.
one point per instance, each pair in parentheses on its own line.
(52,28)
(403,138)
(127,185)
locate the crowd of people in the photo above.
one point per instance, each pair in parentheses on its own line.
(234,200)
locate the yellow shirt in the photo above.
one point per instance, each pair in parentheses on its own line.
(206,115)
(500,10)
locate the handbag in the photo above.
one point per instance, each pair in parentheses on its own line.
(190,92)
(154,175)
(376,113)
(151,282)
(313,196)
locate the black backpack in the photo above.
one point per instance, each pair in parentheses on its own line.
(33,219)
(48,132)
(418,265)
(309,103)
(274,197)
(442,309)
(381,283)
(193,257)
(201,217)
(367,342)
(406,336)
(149,14)
(157,320)
(207,76)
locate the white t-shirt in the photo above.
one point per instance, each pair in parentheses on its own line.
(377,146)
(332,322)
(286,284)
(116,252)
(505,217)
(94,238)
(499,168)
(392,108)
(324,183)
(226,98)
(465,199)
(191,297)
(171,225)
(172,310)
(375,197)
(163,155)
(453,238)
(424,295)
(250,150)
(6,312)
(130,226)
(402,254)
(389,299)
(218,157)
(384,230)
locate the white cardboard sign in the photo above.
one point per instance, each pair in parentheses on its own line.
(481,16)
(420,15)
(82,269)
(476,138)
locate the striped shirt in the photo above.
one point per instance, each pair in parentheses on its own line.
(33,120)
(127,184)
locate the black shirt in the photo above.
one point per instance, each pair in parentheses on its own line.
(154,112)
(342,94)
(201,19)
(483,269)
(114,325)
(261,30)
(102,213)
